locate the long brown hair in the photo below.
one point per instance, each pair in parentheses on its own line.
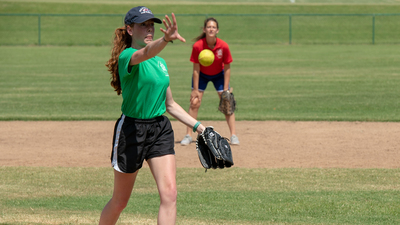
(203,35)
(122,40)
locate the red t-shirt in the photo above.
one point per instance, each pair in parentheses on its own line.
(222,55)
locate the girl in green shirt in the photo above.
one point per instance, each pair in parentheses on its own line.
(143,132)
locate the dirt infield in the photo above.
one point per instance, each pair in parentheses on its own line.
(269,144)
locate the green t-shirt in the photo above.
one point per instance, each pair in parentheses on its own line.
(144,86)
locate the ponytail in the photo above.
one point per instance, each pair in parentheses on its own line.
(122,40)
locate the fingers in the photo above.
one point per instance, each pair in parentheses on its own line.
(162,30)
(181,39)
(194,95)
(167,25)
(171,28)
(173,18)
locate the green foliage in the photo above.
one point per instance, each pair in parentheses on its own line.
(235,196)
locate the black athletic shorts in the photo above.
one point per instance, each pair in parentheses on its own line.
(138,139)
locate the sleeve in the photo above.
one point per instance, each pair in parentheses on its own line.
(227,55)
(194,58)
(123,62)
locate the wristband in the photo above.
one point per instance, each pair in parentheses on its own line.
(166,40)
(196,126)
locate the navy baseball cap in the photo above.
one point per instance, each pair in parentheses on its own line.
(140,14)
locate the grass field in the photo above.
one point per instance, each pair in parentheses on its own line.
(271,82)
(334,76)
(244,196)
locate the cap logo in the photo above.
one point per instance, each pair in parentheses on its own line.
(145,10)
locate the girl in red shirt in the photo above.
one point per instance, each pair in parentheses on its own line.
(219,73)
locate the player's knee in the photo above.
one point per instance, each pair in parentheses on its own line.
(169,196)
(120,205)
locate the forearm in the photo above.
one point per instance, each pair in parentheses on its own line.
(196,75)
(227,77)
(149,51)
(176,111)
(155,47)
(195,81)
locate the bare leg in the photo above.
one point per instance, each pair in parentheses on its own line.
(164,173)
(123,185)
(230,119)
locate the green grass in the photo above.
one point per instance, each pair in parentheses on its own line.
(239,25)
(206,6)
(349,79)
(236,196)
(271,82)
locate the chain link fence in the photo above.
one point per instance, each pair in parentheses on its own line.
(98,29)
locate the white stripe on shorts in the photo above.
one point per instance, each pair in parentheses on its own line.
(115,150)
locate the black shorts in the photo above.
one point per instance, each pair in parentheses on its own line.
(138,139)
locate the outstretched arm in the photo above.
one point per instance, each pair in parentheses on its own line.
(153,48)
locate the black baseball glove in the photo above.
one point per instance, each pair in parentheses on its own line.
(213,149)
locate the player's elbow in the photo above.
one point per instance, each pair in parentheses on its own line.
(170,106)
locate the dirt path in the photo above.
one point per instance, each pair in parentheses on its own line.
(269,144)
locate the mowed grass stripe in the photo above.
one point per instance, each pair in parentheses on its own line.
(236,196)
(271,82)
